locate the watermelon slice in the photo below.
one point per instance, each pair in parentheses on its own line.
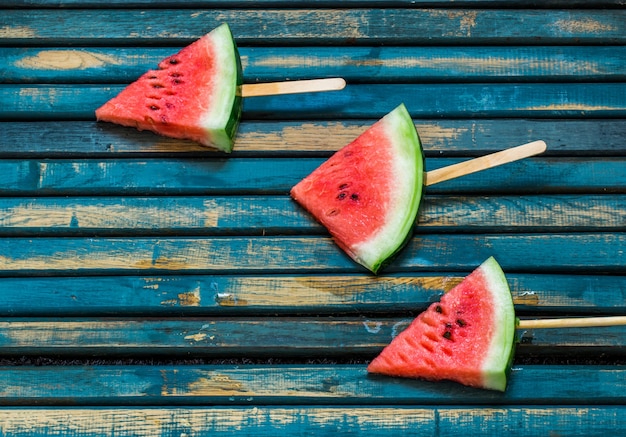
(194,94)
(466,337)
(367,194)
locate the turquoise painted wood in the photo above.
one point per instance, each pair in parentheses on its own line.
(258,385)
(274,215)
(299,338)
(151,286)
(267,295)
(277,176)
(441,137)
(596,100)
(582,252)
(306,3)
(355,64)
(323,420)
(318,26)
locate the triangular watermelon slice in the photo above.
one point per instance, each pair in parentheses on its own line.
(194,94)
(367,194)
(466,337)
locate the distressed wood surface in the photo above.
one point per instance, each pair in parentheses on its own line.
(355,64)
(357,338)
(533,420)
(582,252)
(277,176)
(596,100)
(307,3)
(150,286)
(252,385)
(245,295)
(582,137)
(315,26)
(273,215)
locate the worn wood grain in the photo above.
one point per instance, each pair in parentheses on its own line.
(273,215)
(262,421)
(545,100)
(315,26)
(215,176)
(441,137)
(132,264)
(556,253)
(262,338)
(295,385)
(318,3)
(266,295)
(355,64)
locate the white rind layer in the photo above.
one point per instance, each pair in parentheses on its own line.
(498,357)
(220,110)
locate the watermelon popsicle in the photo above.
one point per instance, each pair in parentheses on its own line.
(368,193)
(196,94)
(469,335)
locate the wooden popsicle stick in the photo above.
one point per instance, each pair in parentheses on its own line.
(292,87)
(577,322)
(485,162)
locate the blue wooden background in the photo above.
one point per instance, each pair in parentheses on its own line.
(150,286)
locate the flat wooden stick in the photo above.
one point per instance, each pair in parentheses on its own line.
(485,162)
(292,87)
(577,322)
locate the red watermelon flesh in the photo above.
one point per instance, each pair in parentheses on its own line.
(466,337)
(367,194)
(194,94)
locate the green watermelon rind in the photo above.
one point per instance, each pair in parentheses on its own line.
(223,121)
(408,168)
(499,357)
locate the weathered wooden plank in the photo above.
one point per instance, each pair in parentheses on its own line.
(296,385)
(521,213)
(439,138)
(317,3)
(547,253)
(272,215)
(171,176)
(261,421)
(539,341)
(457,101)
(284,338)
(544,100)
(355,64)
(263,295)
(152,176)
(315,26)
